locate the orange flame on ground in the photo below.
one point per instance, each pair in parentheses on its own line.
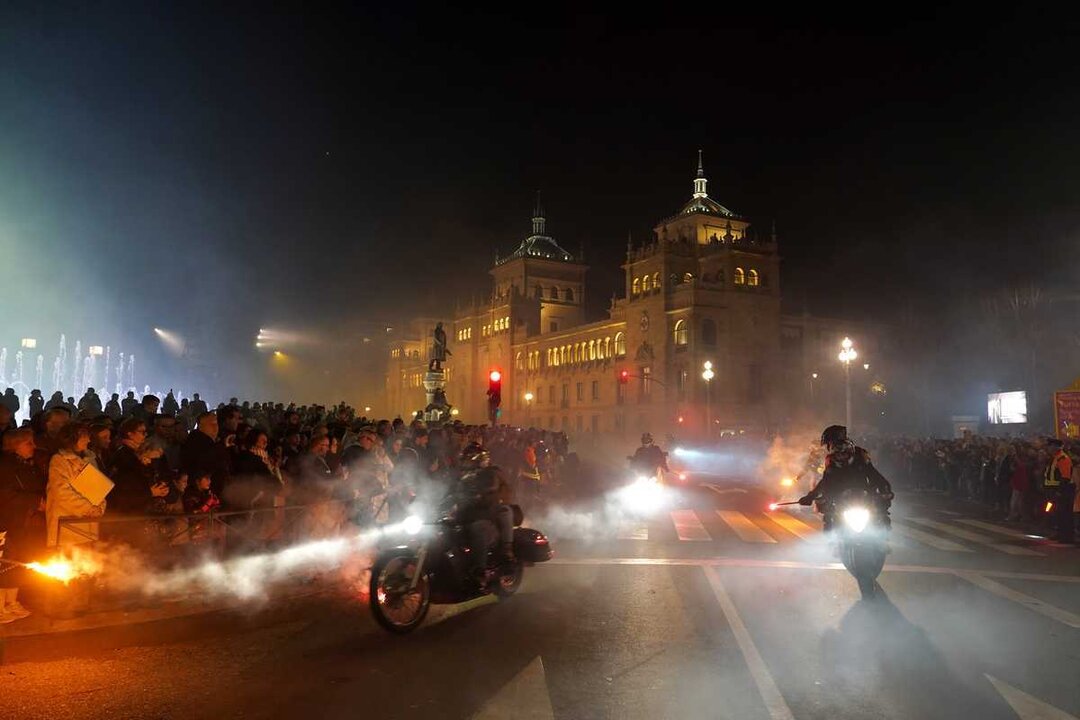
(77,563)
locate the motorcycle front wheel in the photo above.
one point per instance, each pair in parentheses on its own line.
(509,580)
(865,564)
(396,604)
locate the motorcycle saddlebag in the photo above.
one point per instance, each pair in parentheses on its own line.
(531,545)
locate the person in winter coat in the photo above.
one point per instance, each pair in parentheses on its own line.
(36,402)
(112,408)
(22,506)
(89,405)
(199,499)
(56,401)
(63,500)
(138,490)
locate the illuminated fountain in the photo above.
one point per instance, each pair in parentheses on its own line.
(76,370)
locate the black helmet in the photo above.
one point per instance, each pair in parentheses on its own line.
(473,455)
(834,436)
(646,439)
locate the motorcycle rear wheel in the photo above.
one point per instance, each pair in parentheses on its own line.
(507,584)
(395,606)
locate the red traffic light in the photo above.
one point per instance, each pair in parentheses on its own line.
(624,376)
(495,376)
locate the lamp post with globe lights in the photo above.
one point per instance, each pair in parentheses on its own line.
(846,356)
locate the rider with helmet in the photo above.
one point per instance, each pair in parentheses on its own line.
(847,467)
(488,521)
(649,458)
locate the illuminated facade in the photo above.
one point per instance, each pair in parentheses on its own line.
(706,288)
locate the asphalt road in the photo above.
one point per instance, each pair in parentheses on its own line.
(711,608)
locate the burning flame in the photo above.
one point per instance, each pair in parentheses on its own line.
(773,506)
(1049,506)
(787,482)
(66,569)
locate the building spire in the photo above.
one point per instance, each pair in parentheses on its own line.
(538,217)
(700,181)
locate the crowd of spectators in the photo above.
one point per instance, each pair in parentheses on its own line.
(1003,475)
(250,464)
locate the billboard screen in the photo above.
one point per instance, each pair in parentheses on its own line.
(1007,408)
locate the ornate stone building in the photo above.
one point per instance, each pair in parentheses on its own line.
(706,289)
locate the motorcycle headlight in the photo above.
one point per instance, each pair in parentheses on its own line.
(642,496)
(412,524)
(856,518)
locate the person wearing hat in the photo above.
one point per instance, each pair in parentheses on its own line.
(1060,491)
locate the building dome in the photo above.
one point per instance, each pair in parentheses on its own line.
(539,245)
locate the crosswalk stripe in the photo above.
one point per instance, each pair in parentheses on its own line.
(796,526)
(1043,608)
(931,540)
(744,528)
(633,531)
(688,527)
(1008,532)
(974,537)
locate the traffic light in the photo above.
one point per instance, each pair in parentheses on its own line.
(494,394)
(624,377)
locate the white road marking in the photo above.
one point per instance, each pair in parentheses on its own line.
(766,685)
(724,490)
(975,537)
(1028,707)
(688,527)
(525,697)
(796,527)
(796,565)
(1008,532)
(744,527)
(931,540)
(633,530)
(1032,603)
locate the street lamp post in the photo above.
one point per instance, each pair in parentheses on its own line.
(707,374)
(813,377)
(528,407)
(847,354)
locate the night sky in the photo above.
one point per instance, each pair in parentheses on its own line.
(216,171)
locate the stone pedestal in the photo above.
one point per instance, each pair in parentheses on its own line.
(437,410)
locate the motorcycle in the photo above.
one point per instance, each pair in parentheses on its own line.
(863,537)
(429,564)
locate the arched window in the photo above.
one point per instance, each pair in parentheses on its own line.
(688,277)
(740,276)
(656,281)
(620,345)
(752,278)
(646,284)
(519,362)
(554,293)
(635,288)
(538,292)
(549,362)
(568,295)
(562,355)
(681,335)
(592,350)
(708,332)
(607,347)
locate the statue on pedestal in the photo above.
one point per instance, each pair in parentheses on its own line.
(439,351)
